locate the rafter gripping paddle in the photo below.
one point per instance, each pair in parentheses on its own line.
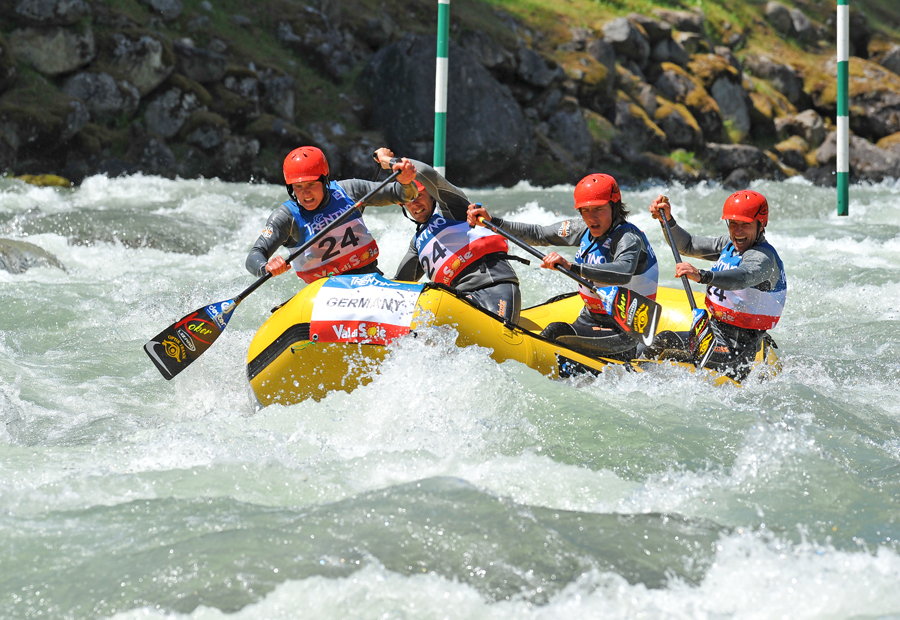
(635,314)
(704,336)
(176,347)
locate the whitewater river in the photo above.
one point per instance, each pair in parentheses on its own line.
(451,486)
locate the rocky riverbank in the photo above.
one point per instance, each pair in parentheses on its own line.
(191,89)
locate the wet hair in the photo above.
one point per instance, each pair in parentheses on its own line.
(620,210)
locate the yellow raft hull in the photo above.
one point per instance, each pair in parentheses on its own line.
(284,366)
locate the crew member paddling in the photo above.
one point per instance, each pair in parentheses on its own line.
(473,262)
(314,202)
(611,252)
(746,287)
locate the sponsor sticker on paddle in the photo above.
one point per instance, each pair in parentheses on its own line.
(367,309)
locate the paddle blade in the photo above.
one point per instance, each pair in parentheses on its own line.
(636,314)
(176,347)
(702,339)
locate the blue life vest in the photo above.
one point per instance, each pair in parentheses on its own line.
(749,308)
(345,248)
(591,253)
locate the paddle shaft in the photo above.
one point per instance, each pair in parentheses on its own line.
(684,279)
(583,281)
(343,217)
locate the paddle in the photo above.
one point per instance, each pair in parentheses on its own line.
(636,314)
(704,336)
(176,347)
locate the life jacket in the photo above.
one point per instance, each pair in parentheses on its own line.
(447,247)
(749,308)
(345,248)
(591,253)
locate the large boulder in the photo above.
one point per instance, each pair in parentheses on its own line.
(167,112)
(779,17)
(489,52)
(675,84)
(679,125)
(200,64)
(142,59)
(807,124)
(486,130)
(728,158)
(107,100)
(867,161)
(534,69)
(636,127)
(628,39)
(54,51)
(782,76)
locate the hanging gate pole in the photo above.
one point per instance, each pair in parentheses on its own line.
(440,87)
(843,112)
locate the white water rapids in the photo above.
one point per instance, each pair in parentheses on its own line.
(451,486)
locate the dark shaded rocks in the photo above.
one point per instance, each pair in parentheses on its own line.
(686,21)
(874,97)
(536,71)
(487,133)
(205,130)
(628,39)
(107,99)
(792,152)
(891,59)
(167,9)
(807,124)
(143,59)
(20,256)
(489,52)
(199,64)
(782,76)
(675,84)
(741,163)
(53,51)
(679,125)
(867,161)
(167,112)
(7,65)
(779,16)
(51,12)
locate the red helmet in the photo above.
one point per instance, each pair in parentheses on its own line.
(305,164)
(596,189)
(746,206)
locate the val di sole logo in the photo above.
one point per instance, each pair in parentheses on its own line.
(641,318)
(704,344)
(173,348)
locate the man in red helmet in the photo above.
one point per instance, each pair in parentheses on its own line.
(746,287)
(314,202)
(473,262)
(611,252)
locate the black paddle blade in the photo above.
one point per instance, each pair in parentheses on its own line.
(176,347)
(636,314)
(702,339)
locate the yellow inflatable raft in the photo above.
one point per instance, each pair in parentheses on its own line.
(285,365)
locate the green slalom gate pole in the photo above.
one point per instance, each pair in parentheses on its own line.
(440,87)
(843,111)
